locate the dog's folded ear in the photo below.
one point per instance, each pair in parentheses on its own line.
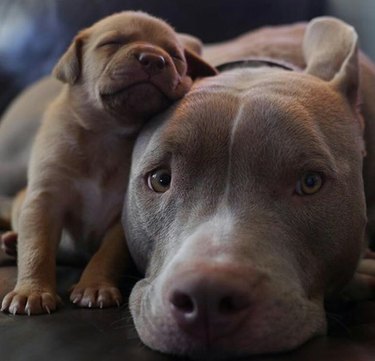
(193,47)
(191,43)
(197,67)
(68,68)
(331,52)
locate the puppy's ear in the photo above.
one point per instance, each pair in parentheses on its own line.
(191,43)
(68,68)
(197,67)
(331,52)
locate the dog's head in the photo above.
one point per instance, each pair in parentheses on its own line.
(245,206)
(131,64)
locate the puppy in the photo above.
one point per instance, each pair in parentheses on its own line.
(117,74)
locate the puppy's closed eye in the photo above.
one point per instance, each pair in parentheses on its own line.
(175,54)
(111,42)
(113,38)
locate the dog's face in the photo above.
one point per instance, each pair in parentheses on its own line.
(131,65)
(245,207)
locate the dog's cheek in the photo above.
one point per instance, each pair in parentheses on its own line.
(183,87)
(337,244)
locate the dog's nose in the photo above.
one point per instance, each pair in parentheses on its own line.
(152,63)
(208,306)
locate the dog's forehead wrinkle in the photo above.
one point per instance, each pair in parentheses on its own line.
(235,125)
(248,126)
(267,128)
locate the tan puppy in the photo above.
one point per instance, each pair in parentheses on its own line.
(118,73)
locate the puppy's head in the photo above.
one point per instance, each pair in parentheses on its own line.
(131,64)
(245,205)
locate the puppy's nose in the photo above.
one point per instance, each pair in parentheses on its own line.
(151,63)
(208,306)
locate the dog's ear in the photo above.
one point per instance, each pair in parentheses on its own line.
(191,43)
(197,67)
(331,52)
(68,68)
(193,47)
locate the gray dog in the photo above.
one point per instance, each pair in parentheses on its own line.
(246,204)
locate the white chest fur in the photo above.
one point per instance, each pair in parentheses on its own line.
(96,208)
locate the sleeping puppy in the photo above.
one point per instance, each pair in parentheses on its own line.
(117,74)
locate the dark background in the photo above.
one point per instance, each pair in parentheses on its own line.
(34,33)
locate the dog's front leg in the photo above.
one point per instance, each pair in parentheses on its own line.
(98,286)
(39,231)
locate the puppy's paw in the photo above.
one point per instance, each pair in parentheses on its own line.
(96,295)
(24,301)
(8,242)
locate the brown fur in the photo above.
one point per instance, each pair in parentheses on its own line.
(79,166)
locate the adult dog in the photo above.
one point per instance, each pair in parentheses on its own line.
(246,202)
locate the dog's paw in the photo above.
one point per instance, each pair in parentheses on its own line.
(30,302)
(8,242)
(362,286)
(98,295)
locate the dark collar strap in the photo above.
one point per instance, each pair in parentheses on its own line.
(256,63)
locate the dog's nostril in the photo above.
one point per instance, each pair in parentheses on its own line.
(149,60)
(182,302)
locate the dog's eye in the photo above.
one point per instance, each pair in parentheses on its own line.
(159,180)
(309,183)
(175,53)
(177,56)
(110,42)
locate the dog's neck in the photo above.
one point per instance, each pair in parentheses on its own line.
(95,119)
(257,62)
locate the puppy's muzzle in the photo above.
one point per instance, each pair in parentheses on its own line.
(151,63)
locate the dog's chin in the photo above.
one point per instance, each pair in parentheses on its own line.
(141,100)
(200,352)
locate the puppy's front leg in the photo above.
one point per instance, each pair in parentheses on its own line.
(39,227)
(98,286)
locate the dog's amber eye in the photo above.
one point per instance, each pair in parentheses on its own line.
(309,183)
(159,180)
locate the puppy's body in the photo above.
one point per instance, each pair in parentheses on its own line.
(118,73)
(85,168)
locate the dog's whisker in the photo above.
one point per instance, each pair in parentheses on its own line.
(338,320)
